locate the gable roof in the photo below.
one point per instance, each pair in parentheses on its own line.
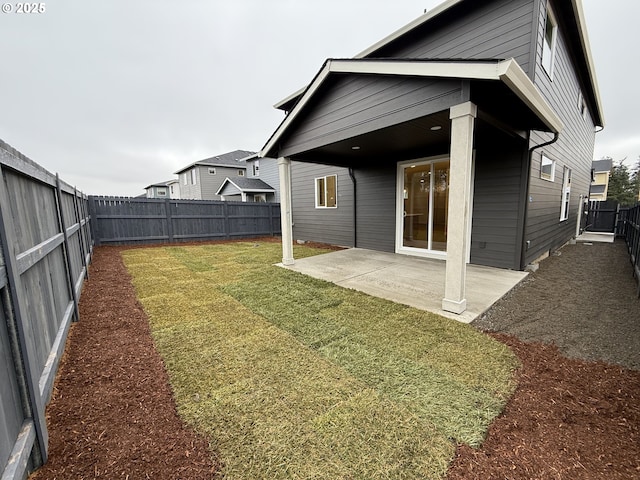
(581,38)
(505,71)
(230,159)
(162,184)
(247,185)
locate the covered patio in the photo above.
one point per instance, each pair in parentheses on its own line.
(418,282)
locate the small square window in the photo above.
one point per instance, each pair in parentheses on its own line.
(212,171)
(547,169)
(162,192)
(326,192)
(241,173)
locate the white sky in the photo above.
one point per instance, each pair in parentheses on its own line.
(117,94)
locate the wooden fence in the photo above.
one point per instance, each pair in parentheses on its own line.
(121,221)
(45,246)
(629,228)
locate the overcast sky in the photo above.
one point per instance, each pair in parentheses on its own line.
(117,94)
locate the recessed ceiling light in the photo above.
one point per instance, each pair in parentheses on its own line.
(355,147)
(436,128)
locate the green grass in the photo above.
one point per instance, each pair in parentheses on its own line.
(293,377)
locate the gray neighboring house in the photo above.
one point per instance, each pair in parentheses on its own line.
(467,136)
(168,189)
(201,180)
(600,172)
(261,183)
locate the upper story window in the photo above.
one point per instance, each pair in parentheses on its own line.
(193,176)
(241,173)
(566,194)
(550,41)
(256,168)
(582,105)
(162,192)
(547,169)
(212,171)
(184,178)
(326,192)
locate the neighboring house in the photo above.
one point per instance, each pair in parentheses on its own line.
(600,171)
(261,183)
(168,189)
(201,180)
(467,135)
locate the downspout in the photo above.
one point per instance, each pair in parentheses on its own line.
(355,210)
(526,200)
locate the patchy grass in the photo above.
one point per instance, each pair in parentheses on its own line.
(292,377)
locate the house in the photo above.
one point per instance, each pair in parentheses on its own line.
(600,171)
(201,180)
(168,189)
(261,183)
(466,135)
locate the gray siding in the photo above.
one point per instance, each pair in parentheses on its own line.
(190,190)
(496,236)
(360,104)
(501,30)
(574,149)
(209,184)
(328,225)
(376,205)
(269,174)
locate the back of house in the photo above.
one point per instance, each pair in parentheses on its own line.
(377,142)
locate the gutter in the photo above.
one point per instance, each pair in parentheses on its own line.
(523,250)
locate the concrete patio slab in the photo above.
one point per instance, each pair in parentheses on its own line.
(413,281)
(597,237)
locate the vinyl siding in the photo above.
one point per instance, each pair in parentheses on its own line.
(376,205)
(501,29)
(358,104)
(209,184)
(190,191)
(573,149)
(269,174)
(328,225)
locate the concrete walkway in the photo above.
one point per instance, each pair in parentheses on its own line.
(414,281)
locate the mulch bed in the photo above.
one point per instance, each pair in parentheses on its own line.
(112,414)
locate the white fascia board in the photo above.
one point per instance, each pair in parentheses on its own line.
(507,71)
(514,77)
(310,91)
(586,47)
(224,183)
(259,190)
(434,12)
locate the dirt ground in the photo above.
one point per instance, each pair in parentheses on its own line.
(112,414)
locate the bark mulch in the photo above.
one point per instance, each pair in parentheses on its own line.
(112,414)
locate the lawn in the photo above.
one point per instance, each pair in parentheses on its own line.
(292,377)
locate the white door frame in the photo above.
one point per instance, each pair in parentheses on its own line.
(421,252)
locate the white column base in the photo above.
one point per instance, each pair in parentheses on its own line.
(454,306)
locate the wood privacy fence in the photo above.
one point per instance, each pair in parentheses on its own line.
(121,220)
(629,228)
(45,246)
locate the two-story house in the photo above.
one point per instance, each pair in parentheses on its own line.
(201,180)
(168,189)
(467,136)
(261,183)
(601,170)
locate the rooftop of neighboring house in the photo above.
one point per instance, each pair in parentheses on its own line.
(604,165)
(245,184)
(230,159)
(162,184)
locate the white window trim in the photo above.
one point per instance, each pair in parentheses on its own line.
(255,167)
(241,173)
(582,106)
(552,176)
(184,178)
(315,181)
(193,175)
(162,192)
(212,170)
(566,194)
(554,42)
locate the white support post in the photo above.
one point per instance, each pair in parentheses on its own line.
(284,169)
(462,124)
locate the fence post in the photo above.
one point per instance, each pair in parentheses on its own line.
(271,230)
(227,223)
(93,221)
(81,233)
(33,408)
(65,246)
(167,208)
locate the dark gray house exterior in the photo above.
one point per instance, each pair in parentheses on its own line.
(467,135)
